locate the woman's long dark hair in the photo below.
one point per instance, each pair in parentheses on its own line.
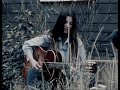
(58,30)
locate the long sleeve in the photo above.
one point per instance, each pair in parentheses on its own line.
(43,40)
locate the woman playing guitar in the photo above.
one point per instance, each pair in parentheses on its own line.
(62,41)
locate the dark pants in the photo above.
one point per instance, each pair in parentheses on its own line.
(33,75)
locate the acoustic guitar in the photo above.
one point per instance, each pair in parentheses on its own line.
(52,63)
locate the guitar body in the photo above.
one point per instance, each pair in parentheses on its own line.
(49,56)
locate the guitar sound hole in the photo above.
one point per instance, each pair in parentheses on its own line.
(50,56)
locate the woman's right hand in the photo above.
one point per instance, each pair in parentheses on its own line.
(35,64)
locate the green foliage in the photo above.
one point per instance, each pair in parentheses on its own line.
(13,38)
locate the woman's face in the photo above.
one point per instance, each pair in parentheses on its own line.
(68,24)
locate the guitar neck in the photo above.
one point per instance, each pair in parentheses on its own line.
(60,65)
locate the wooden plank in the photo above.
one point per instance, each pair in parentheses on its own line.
(105,61)
(60,0)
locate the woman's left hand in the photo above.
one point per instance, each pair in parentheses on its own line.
(91,67)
